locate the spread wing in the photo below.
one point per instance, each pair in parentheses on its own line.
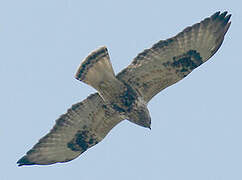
(84,125)
(171,60)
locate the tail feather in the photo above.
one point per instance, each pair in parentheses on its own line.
(96,68)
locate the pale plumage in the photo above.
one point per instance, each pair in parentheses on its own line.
(126,95)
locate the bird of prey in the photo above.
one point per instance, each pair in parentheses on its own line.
(125,96)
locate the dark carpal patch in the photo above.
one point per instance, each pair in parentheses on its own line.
(82,141)
(185,63)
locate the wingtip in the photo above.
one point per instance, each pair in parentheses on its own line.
(226,22)
(227,27)
(227,18)
(223,19)
(222,15)
(24,161)
(215,15)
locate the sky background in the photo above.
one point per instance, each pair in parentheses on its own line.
(196,123)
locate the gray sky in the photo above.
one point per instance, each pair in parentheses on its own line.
(196,123)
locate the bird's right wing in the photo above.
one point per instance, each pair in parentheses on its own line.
(84,125)
(171,60)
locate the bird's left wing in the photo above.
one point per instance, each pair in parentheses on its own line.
(171,60)
(84,125)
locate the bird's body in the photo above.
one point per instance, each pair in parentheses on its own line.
(117,94)
(126,95)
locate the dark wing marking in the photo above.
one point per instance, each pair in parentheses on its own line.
(171,60)
(84,125)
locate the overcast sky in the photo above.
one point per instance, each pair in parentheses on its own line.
(196,123)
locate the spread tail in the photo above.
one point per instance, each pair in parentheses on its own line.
(96,68)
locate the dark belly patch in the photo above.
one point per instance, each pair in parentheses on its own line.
(125,100)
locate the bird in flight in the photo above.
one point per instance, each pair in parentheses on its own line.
(125,95)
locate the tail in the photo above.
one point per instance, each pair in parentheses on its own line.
(96,68)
